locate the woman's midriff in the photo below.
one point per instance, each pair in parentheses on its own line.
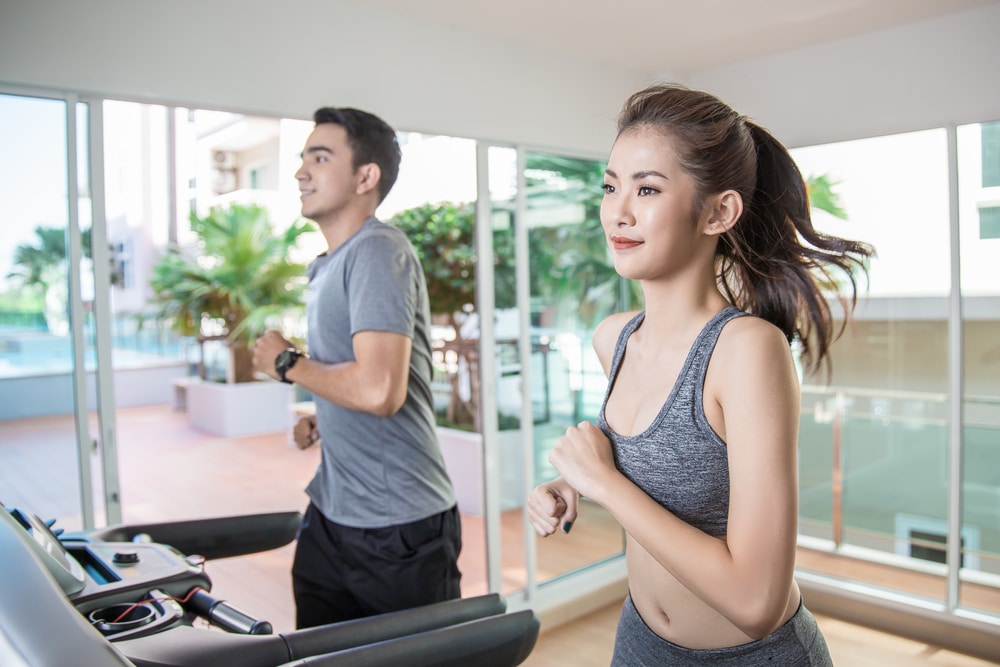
(676,614)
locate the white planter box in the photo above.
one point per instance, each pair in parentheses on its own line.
(247,408)
(463,457)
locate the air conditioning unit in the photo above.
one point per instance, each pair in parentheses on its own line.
(225,160)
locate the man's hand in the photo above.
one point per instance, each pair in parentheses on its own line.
(266,349)
(306,432)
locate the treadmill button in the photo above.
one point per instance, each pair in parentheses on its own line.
(125,557)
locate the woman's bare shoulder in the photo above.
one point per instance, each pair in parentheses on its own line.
(752,345)
(610,328)
(750,328)
(606,335)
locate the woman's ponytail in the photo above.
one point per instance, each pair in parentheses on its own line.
(776,263)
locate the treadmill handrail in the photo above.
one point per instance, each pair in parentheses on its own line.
(495,641)
(349,634)
(219,537)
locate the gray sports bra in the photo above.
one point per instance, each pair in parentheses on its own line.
(679,461)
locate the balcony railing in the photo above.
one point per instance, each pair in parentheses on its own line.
(874,485)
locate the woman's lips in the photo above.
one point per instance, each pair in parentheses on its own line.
(623,243)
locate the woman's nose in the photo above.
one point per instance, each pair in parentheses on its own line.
(616,212)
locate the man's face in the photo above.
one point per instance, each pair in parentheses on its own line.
(327,179)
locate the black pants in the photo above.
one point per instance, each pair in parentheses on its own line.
(340,573)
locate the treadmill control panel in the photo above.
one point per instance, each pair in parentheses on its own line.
(96,574)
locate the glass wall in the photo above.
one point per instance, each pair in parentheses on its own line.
(876,473)
(979,243)
(164,165)
(572,287)
(47,353)
(509,373)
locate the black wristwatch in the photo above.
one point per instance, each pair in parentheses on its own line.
(284,361)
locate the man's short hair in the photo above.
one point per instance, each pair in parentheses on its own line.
(371,140)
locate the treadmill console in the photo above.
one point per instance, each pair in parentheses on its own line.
(94,573)
(68,572)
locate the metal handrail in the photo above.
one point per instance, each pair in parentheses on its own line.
(840,413)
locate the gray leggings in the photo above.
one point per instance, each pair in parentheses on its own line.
(797,642)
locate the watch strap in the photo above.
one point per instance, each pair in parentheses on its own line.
(286,359)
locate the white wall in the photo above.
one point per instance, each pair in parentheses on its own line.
(913,77)
(288,58)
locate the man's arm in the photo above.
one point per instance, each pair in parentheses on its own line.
(375,382)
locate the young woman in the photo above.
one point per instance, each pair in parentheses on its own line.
(694,450)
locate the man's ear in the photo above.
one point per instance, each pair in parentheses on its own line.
(368,176)
(726,209)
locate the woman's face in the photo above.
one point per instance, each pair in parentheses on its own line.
(647,207)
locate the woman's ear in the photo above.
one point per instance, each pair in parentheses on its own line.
(368,176)
(727,207)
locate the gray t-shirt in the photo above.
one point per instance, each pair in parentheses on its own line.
(375,471)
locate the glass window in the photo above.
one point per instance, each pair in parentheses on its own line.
(989,222)
(979,231)
(874,436)
(573,286)
(990,152)
(38,436)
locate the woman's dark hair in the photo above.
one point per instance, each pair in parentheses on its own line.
(772,262)
(371,140)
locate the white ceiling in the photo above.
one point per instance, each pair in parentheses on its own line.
(676,37)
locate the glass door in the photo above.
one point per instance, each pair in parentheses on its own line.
(572,287)
(50,421)
(873,437)
(977,525)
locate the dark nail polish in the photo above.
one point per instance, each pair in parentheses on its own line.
(567,526)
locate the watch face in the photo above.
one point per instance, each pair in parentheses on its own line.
(285,360)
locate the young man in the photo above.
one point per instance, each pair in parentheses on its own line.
(382,530)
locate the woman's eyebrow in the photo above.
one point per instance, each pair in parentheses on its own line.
(639,175)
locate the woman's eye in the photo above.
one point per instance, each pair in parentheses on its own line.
(646,190)
(608,188)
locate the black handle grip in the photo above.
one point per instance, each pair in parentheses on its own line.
(221,537)
(226,616)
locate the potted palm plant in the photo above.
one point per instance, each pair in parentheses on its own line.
(238,280)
